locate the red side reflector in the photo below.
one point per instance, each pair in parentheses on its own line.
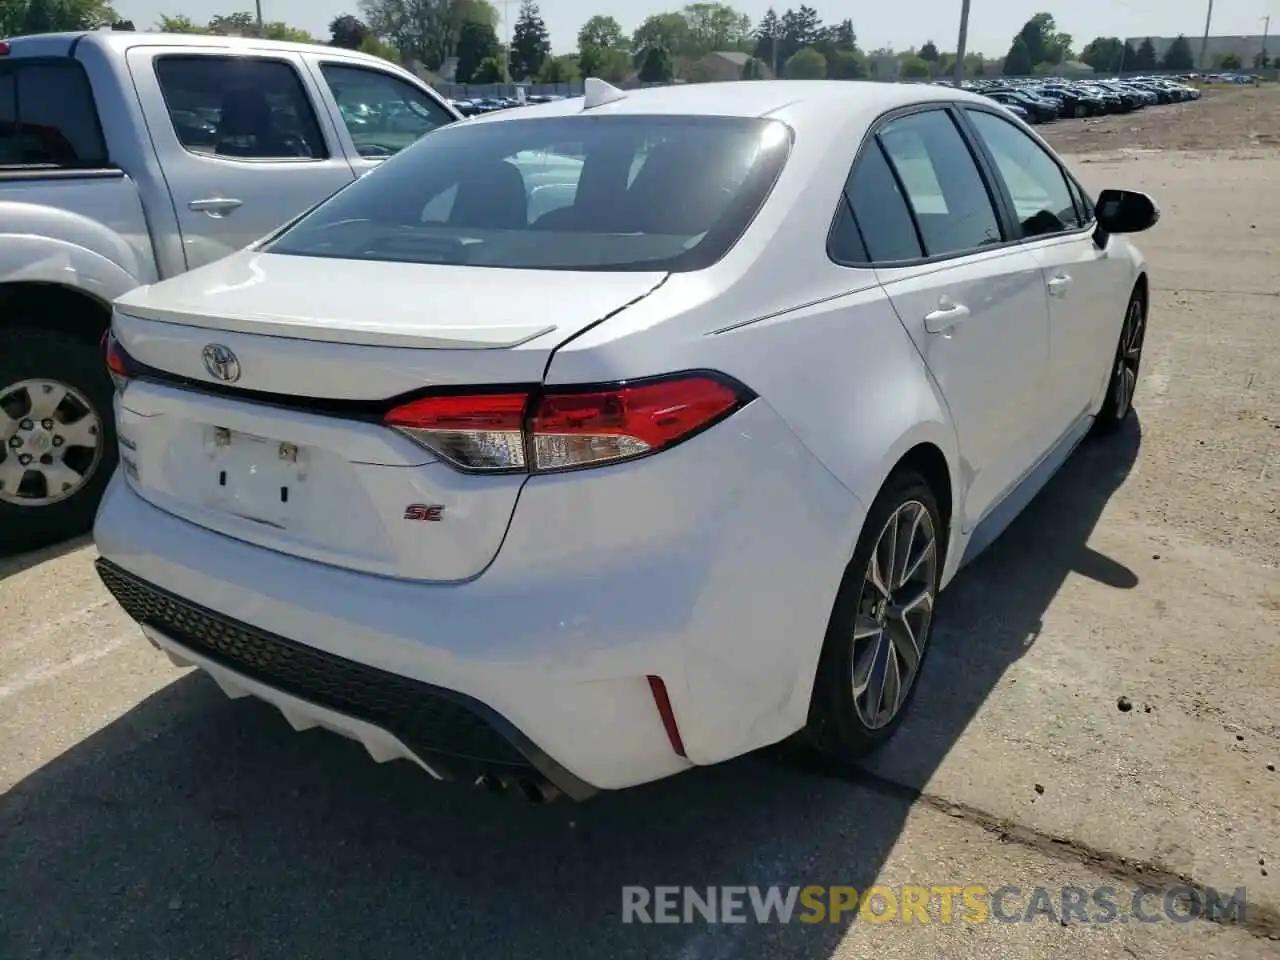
(659,690)
(117,366)
(4,49)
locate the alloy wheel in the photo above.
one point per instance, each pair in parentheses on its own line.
(1128,358)
(895,609)
(50,442)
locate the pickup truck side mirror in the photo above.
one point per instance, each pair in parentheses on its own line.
(1125,211)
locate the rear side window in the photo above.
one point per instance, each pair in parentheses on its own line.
(1042,200)
(242,108)
(881,208)
(383,114)
(48,117)
(952,207)
(556,193)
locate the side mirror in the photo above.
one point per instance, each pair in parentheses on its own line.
(1126,211)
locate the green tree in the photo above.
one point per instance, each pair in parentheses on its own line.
(347,32)
(754,69)
(1230,61)
(377,47)
(768,34)
(530,42)
(1043,41)
(846,65)
(806,64)
(601,31)
(1145,57)
(666,31)
(477,42)
(1261,61)
(425,30)
(561,69)
(800,28)
(929,52)
(714,26)
(912,67)
(275,30)
(1107,54)
(54,16)
(1017,62)
(179,24)
(1178,56)
(655,67)
(491,70)
(607,63)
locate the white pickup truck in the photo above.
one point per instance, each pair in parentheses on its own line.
(126,158)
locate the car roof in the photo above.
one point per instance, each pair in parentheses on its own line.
(118,41)
(751,98)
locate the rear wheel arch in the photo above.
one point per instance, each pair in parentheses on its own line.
(55,308)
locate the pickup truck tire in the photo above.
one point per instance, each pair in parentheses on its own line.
(57,436)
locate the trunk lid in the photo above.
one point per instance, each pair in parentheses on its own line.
(310,470)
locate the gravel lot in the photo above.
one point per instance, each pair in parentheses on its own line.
(143,815)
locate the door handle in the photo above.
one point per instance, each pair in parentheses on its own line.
(1058,285)
(214,206)
(945,317)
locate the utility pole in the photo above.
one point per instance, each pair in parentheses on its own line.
(961,40)
(258,6)
(773,54)
(1204,41)
(1266,30)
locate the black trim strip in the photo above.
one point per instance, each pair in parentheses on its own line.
(567,783)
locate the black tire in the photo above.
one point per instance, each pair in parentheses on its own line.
(836,727)
(27,354)
(1126,363)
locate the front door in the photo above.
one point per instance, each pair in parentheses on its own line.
(240,141)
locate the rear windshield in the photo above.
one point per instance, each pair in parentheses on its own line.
(556,193)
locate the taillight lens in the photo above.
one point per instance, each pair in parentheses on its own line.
(581,429)
(117,364)
(478,432)
(561,430)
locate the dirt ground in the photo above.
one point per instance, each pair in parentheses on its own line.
(1100,710)
(1224,118)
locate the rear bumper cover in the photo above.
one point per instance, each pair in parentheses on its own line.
(452,735)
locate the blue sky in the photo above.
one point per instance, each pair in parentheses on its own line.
(991,22)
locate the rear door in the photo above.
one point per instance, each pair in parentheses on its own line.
(973,304)
(241,143)
(377,113)
(1079,276)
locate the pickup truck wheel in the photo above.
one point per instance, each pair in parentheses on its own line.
(57,436)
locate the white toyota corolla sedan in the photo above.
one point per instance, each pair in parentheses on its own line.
(580,445)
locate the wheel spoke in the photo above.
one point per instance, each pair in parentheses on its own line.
(925,553)
(902,556)
(863,678)
(11,474)
(905,645)
(59,477)
(874,576)
(80,433)
(890,541)
(865,628)
(45,399)
(8,425)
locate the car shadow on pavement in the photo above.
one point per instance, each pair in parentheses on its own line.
(195,827)
(11,564)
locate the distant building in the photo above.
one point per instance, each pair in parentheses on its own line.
(1246,48)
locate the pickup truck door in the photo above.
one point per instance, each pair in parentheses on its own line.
(244,142)
(378,112)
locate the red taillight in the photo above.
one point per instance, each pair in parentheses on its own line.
(581,427)
(116,363)
(4,49)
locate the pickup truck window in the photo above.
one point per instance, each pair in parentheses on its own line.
(243,108)
(48,117)
(383,113)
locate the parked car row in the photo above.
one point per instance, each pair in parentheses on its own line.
(1044,100)
(473,106)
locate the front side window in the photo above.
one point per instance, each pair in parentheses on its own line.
(383,114)
(952,207)
(240,107)
(556,193)
(1042,201)
(48,117)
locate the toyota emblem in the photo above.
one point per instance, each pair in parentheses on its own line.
(221,363)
